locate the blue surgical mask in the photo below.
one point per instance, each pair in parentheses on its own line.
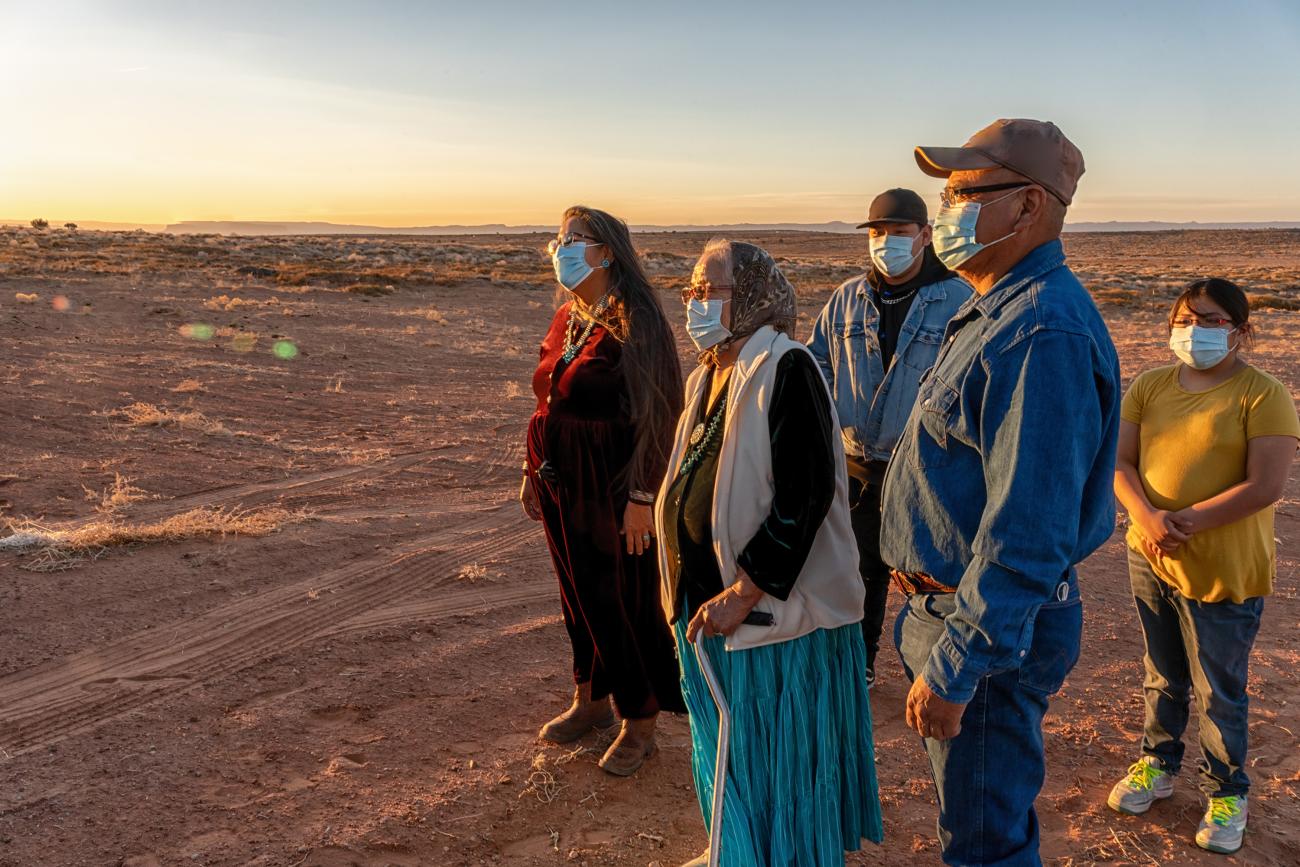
(1199,347)
(892,254)
(571,266)
(704,323)
(954,232)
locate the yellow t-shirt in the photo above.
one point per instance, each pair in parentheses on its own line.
(1193,447)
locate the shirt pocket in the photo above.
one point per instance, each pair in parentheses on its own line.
(923,349)
(937,408)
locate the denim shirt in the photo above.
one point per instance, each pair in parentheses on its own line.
(1002,480)
(873,403)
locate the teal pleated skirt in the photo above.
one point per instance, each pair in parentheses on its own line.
(801,772)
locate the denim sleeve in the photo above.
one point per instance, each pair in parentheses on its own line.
(820,342)
(1040,430)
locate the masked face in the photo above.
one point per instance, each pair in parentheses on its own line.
(893,254)
(954,231)
(1201,347)
(704,322)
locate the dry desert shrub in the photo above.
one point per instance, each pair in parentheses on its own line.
(58,550)
(188,386)
(227,304)
(141,414)
(1271,300)
(116,496)
(372,290)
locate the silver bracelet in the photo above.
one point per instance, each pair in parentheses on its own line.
(641,497)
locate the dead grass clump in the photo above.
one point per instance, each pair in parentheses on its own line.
(542,783)
(59,550)
(471,572)
(227,304)
(141,414)
(373,290)
(1271,300)
(188,386)
(116,496)
(1120,297)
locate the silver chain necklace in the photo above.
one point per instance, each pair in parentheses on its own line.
(900,298)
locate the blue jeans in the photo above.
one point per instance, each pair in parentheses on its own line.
(1202,649)
(988,777)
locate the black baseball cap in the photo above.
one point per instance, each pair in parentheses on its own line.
(897,206)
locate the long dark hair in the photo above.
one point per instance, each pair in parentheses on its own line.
(651,367)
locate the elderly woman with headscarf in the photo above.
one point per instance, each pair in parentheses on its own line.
(757,553)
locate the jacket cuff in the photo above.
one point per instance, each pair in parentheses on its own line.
(950,674)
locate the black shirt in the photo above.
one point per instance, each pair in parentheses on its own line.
(894,302)
(803,473)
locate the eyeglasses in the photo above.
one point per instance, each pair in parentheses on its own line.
(1185,320)
(568,238)
(950,197)
(702,292)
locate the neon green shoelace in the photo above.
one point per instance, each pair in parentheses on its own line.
(1222,810)
(1142,775)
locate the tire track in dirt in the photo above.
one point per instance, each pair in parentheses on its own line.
(45,704)
(260,493)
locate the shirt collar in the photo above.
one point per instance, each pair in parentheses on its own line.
(1043,258)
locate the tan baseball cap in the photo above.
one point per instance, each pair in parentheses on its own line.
(1036,149)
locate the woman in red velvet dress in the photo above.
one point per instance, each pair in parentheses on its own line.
(609,390)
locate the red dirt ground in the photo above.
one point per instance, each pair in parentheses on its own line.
(363,688)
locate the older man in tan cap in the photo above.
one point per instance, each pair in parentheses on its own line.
(1000,486)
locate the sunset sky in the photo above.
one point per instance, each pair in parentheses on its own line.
(475,112)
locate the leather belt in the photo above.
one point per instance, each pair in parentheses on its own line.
(918,582)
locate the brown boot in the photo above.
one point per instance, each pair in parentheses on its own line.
(581,717)
(635,743)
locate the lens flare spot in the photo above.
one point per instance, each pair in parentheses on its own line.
(285,349)
(243,342)
(61,303)
(198,331)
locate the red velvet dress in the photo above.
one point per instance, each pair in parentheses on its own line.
(621,642)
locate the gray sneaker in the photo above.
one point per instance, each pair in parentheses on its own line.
(1224,825)
(1146,783)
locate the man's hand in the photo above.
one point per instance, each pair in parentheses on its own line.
(930,716)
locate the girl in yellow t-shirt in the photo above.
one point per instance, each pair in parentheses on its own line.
(1205,448)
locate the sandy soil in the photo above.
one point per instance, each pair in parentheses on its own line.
(363,687)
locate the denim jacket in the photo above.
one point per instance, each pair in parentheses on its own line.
(871,402)
(1002,480)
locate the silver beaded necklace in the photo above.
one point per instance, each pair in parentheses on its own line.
(572,347)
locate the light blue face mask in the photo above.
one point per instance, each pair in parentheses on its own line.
(704,323)
(571,266)
(1200,347)
(954,232)
(892,254)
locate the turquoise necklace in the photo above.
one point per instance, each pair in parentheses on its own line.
(702,436)
(573,347)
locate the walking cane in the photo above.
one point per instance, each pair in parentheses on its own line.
(720,761)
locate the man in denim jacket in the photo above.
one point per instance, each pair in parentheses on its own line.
(877,335)
(1001,484)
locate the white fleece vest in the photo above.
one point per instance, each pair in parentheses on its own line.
(829,590)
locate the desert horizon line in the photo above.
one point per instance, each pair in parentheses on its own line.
(331,227)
